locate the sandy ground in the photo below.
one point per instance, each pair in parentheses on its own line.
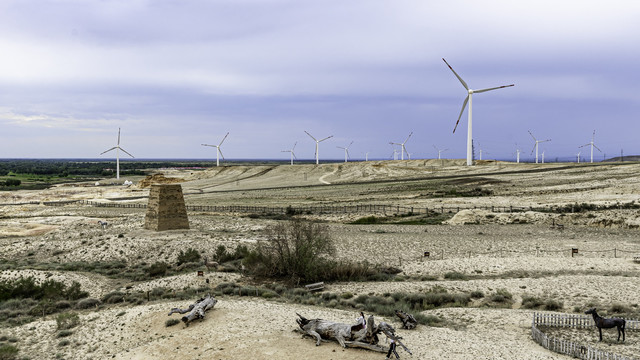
(516,252)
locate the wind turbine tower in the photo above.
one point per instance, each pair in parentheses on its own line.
(440,151)
(578,156)
(517,154)
(470,92)
(535,147)
(592,145)
(346,151)
(543,156)
(404,149)
(117,148)
(218,151)
(317,142)
(293,155)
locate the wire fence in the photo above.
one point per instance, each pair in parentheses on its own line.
(574,349)
(442,254)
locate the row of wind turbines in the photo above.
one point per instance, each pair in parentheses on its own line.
(468,100)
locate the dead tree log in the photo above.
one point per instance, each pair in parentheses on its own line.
(197,309)
(408,321)
(356,336)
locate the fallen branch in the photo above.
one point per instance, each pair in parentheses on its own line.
(197,309)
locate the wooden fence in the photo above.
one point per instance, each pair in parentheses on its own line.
(574,349)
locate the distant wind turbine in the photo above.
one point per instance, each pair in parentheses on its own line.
(517,154)
(543,156)
(439,151)
(366,156)
(592,145)
(317,142)
(535,147)
(578,156)
(404,149)
(293,155)
(346,151)
(464,104)
(218,150)
(117,148)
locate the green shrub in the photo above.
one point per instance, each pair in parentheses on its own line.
(553,305)
(67,321)
(531,302)
(477,294)
(346,295)
(617,308)
(87,303)
(113,297)
(157,269)
(64,342)
(171,322)
(8,352)
(368,220)
(64,333)
(191,255)
(454,275)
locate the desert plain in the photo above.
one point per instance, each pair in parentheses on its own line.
(493,229)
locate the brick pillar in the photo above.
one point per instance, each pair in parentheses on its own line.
(166,210)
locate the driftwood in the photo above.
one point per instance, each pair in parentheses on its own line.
(356,336)
(197,309)
(408,321)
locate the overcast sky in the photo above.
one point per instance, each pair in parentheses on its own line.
(176,74)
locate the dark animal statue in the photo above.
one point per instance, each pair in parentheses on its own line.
(607,323)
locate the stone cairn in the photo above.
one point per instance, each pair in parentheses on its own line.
(166,209)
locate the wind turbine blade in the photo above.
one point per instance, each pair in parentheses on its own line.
(534,148)
(348,156)
(124,151)
(294,155)
(294,146)
(456,74)
(314,139)
(484,90)
(118,136)
(113,148)
(436,148)
(340,147)
(589,144)
(445,150)
(407,138)
(328,137)
(464,105)
(351,143)
(223,139)
(544,140)
(215,146)
(221,154)
(534,138)
(597,147)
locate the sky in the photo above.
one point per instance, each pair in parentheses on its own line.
(177,74)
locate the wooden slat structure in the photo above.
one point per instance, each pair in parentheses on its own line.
(570,348)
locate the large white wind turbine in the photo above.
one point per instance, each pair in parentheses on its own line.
(293,155)
(317,142)
(440,151)
(592,145)
(117,148)
(346,151)
(218,151)
(535,147)
(404,149)
(464,104)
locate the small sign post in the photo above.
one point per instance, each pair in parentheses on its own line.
(574,251)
